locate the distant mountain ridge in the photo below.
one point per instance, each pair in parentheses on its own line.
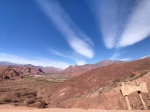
(70,71)
(78,70)
(6,63)
(44,69)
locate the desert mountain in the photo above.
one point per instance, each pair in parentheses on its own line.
(70,92)
(70,71)
(7,72)
(44,69)
(78,70)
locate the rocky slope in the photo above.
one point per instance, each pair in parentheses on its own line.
(111,98)
(78,70)
(71,93)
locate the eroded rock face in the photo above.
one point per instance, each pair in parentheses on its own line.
(8,72)
(25,70)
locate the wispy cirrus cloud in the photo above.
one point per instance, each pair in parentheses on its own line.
(37,61)
(138,26)
(79,60)
(77,40)
(117,55)
(123,22)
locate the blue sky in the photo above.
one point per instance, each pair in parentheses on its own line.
(60,33)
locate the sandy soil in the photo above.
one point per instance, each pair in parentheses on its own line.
(11,108)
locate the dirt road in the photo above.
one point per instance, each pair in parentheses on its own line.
(11,108)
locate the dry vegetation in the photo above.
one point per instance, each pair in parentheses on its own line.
(28,91)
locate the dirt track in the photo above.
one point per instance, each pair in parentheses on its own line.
(11,108)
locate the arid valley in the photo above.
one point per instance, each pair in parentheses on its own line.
(96,88)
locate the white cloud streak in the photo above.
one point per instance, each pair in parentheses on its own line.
(145,57)
(138,26)
(107,18)
(77,58)
(36,61)
(123,22)
(77,40)
(116,56)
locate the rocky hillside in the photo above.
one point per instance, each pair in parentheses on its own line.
(7,72)
(78,70)
(71,92)
(110,97)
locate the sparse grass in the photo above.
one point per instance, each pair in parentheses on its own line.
(143,72)
(45,79)
(9,99)
(24,91)
(117,82)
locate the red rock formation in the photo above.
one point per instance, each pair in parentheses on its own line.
(7,72)
(25,70)
(47,70)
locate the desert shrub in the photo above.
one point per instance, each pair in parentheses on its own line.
(27,93)
(143,72)
(1,101)
(6,77)
(7,99)
(11,98)
(116,83)
(39,99)
(29,101)
(42,105)
(17,94)
(39,105)
(22,77)
(116,80)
